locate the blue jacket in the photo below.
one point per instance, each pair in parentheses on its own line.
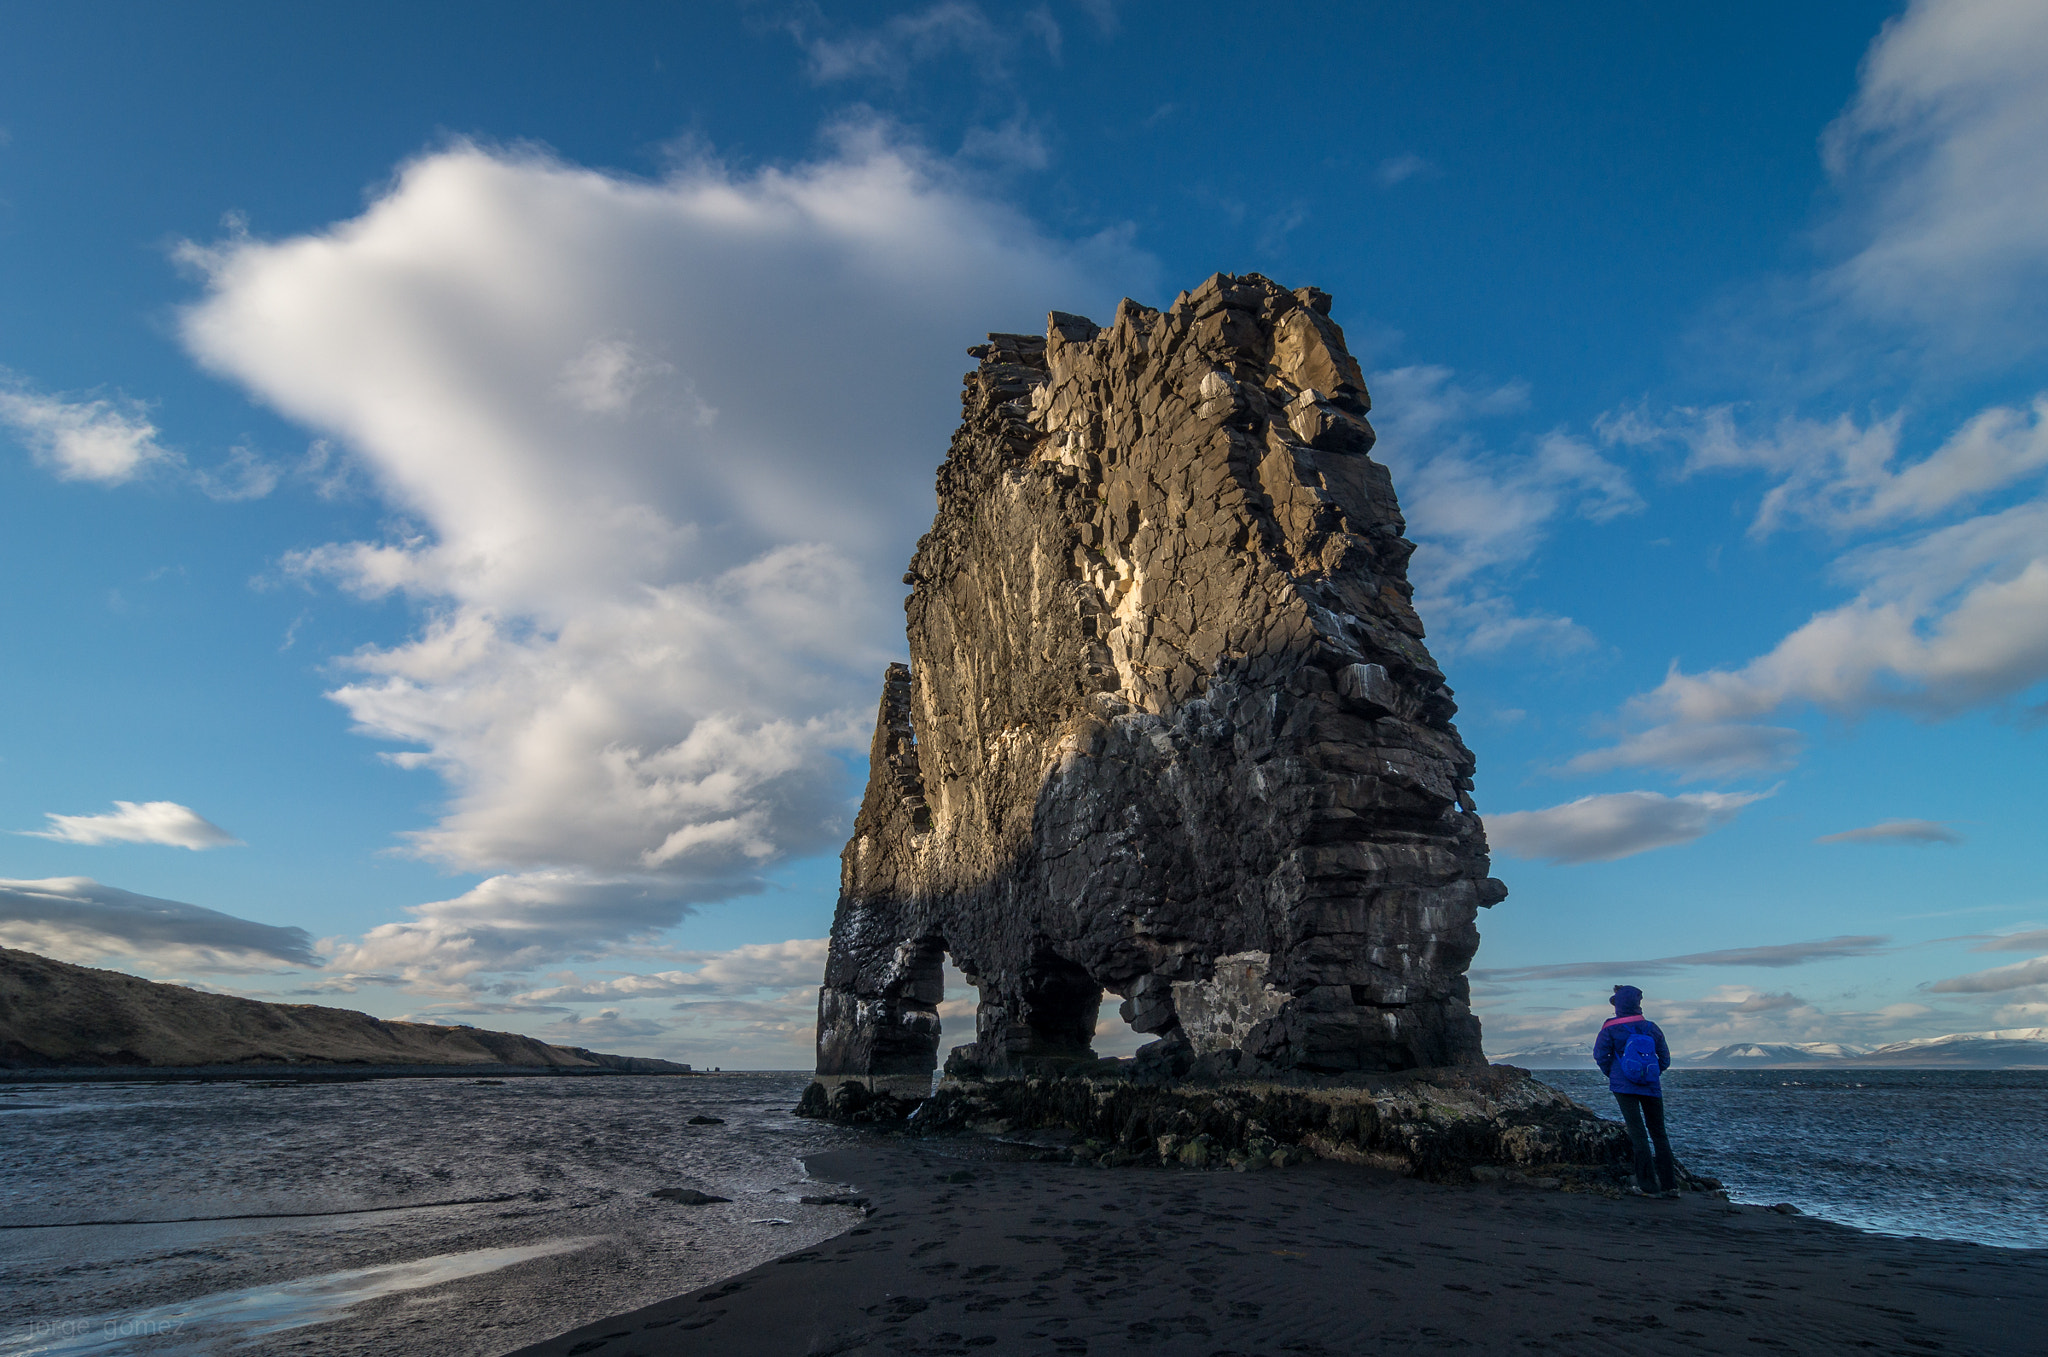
(1607,1049)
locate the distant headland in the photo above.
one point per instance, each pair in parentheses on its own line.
(58,1020)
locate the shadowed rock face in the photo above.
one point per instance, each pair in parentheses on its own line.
(1169,727)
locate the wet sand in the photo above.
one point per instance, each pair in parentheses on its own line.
(966,1255)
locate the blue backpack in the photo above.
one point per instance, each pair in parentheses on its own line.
(1639,1059)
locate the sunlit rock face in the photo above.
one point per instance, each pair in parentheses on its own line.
(1169,728)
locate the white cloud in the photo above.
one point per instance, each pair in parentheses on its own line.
(1943,159)
(76,919)
(659,449)
(1896,831)
(1476,514)
(1696,752)
(1614,825)
(1944,164)
(108,441)
(742,970)
(1954,619)
(1843,475)
(603,1030)
(164,822)
(521,920)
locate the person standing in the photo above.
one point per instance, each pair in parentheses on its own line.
(1630,1051)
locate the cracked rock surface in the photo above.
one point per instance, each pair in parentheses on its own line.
(1169,729)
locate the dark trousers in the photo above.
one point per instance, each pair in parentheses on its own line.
(1645,1119)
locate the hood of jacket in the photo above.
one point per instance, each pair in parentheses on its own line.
(1627,1000)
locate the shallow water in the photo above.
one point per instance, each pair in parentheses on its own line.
(1945,1154)
(399,1215)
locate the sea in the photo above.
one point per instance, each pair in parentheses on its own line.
(465,1218)
(1943,1154)
(456,1217)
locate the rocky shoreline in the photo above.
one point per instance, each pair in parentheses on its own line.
(1462,1124)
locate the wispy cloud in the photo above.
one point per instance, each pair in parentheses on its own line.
(1479,514)
(1896,831)
(1401,168)
(163,822)
(1999,979)
(1944,171)
(74,918)
(890,50)
(1614,825)
(1697,752)
(1773,956)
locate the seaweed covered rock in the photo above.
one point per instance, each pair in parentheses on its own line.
(1492,1123)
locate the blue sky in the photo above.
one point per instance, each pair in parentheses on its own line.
(457,464)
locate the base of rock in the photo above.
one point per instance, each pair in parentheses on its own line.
(1442,1125)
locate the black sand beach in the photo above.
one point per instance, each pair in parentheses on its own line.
(970,1255)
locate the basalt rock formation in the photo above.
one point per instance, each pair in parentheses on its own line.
(1169,727)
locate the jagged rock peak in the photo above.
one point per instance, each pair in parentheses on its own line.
(1169,727)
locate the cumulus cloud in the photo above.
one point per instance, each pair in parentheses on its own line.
(1475,513)
(74,918)
(105,440)
(1896,831)
(1772,956)
(164,822)
(654,450)
(1614,825)
(1945,170)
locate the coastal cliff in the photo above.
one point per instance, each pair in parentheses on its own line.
(54,1015)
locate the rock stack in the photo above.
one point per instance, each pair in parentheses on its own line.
(1169,729)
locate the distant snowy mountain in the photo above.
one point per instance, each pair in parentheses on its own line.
(1759,1053)
(2005,1048)
(1555,1055)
